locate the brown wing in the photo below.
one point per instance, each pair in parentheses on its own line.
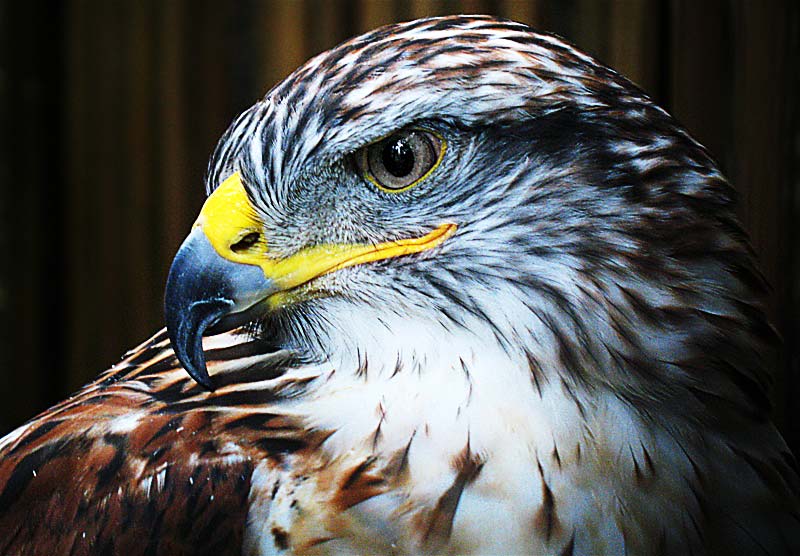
(143,461)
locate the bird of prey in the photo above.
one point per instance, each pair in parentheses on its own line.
(458,288)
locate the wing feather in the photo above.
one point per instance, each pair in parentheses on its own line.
(143,461)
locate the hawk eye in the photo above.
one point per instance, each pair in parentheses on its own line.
(401,160)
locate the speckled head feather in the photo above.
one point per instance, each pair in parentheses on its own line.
(471,70)
(577,366)
(583,202)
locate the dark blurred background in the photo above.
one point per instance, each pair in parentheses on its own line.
(110,110)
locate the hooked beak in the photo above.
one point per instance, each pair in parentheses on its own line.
(202,289)
(224,275)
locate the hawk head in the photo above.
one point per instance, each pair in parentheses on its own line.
(467,176)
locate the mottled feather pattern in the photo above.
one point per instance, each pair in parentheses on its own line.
(140,462)
(582,368)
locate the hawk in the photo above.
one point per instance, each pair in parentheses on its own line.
(458,288)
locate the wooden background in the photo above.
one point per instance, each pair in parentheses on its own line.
(110,110)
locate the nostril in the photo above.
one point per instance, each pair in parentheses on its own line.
(246,242)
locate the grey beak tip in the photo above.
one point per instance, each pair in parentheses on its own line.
(206,293)
(193,302)
(197,370)
(186,327)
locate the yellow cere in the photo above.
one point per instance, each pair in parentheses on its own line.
(227,217)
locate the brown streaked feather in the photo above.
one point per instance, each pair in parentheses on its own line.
(546,520)
(440,521)
(358,485)
(118,468)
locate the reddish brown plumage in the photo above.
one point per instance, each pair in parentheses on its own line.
(174,482)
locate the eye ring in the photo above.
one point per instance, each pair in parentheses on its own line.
(401,160)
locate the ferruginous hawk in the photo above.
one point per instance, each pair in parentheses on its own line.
(458,288)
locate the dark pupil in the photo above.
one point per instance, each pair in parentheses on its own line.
(397,157)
